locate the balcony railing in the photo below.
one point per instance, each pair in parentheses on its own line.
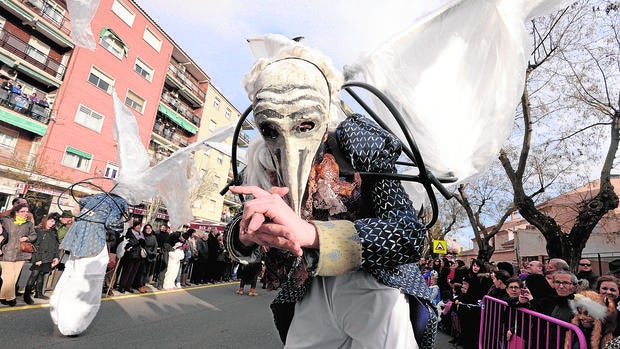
(25,107)
(181,108)
(168,132)
(187,80)
(30,54)
(54,13)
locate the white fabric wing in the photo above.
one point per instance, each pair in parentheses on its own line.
(457,76)
(82,13)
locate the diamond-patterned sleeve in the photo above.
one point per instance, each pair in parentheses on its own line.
(393,236)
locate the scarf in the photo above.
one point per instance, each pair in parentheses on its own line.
(19,220)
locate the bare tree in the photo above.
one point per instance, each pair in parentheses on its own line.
(574,72)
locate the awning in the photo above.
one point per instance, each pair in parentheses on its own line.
(112,35)
(79,153)
(22,122)
(37,75)
(7,60)
(179,120)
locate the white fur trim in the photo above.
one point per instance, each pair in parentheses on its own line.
(595,309)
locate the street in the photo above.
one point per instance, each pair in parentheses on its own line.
(208,316)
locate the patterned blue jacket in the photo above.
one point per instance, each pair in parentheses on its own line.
(98,213)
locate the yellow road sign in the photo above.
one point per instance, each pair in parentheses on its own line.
(440,247)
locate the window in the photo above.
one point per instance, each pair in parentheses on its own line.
(208,152)
(134,102)
(77,159)
(7,141)
(216,180)
(101,80)
(216,104)
(123,12)
(228,112)
(89,118)
(143,69)
(152,39)
(111,170)
(212,125)
(54,12)
(220,159)
(37,50)
(113,43)
(212,205)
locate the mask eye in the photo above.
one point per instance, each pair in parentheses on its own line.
(268,131)
(306,126)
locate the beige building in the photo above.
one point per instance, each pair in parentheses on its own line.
(520,241)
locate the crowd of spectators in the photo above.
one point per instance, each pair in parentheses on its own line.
(585,299)
(141,260)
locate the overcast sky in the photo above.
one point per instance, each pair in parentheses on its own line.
(213,32)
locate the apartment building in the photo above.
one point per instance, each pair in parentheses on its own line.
(44,150)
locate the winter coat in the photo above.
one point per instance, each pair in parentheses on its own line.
(150,244)
(46,245)
(11,250)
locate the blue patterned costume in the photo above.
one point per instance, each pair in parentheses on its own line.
(391,238)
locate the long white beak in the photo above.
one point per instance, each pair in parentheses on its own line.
(294,160)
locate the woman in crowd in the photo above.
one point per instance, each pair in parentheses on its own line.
(150,245)
(44,258)
(609,286)
(133,259)
(467,307)
(479,279)
(18,228)
(500,280)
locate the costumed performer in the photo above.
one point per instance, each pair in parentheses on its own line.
(351,246)
(77,296)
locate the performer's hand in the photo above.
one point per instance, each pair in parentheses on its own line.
(268,220)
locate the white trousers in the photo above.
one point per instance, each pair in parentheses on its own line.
(351,311)
(77,295)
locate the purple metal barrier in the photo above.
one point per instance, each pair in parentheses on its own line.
(530,329)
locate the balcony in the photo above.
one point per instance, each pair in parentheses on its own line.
(181,108)
(165,134)
(48,17)
(24,51)
(17,105)
(190,83)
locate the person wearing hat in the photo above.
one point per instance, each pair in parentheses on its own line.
(174,262)
(614,268)
(63,224)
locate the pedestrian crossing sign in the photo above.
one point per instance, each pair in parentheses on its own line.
(440,247)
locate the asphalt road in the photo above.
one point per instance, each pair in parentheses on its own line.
(210,316)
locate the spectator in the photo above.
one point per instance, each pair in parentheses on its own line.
(8,85)
(174,263)
(248,274)
(498,290)
(584,271)
(44,258)
(507,266)
(43,102)
(33,98)
(556,264)
(468,313)
(614,268)
(62,226)
(199,274)
(535,267)
(150,244)
(19,229)
(17,89)
(133,259)
(590,311)
(609,287)
(434,289)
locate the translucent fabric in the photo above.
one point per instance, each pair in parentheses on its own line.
(82,13)
(457,79)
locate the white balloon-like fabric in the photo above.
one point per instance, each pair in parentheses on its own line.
(457,79)
(77,295)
